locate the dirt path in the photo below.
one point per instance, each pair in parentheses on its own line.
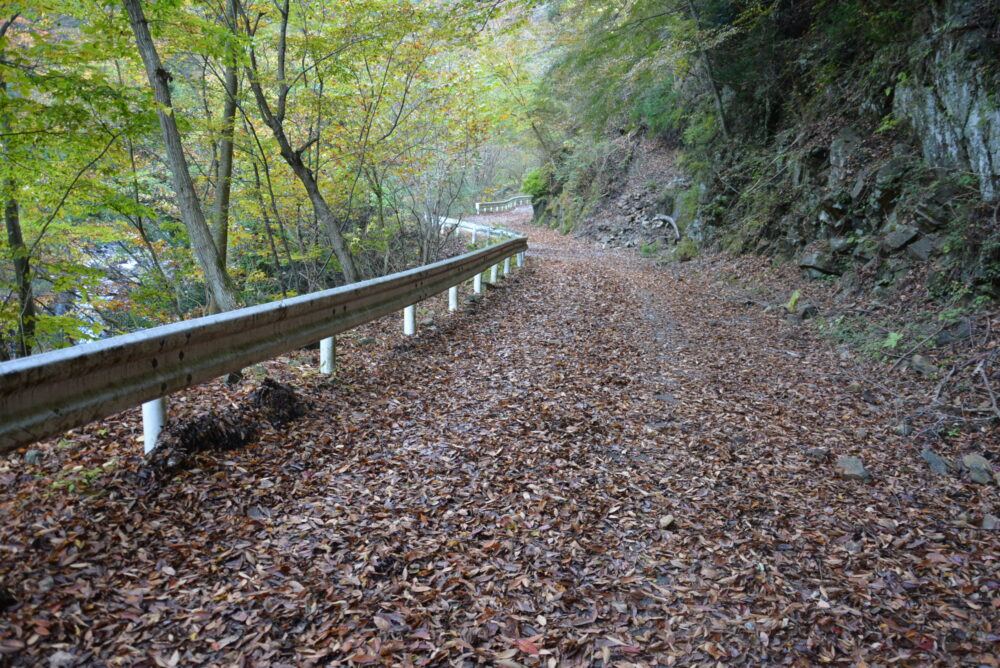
(605,463)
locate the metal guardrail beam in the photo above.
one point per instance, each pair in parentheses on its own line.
(46,394)
(478,228)
(503,205)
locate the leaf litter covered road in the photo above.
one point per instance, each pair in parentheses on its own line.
(603,463)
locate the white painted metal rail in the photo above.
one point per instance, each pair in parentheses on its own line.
(46,394)
(503,205)
(476,230)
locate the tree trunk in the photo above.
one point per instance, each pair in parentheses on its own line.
(710,75)
(220,285)
(223,185)
(26,311)
(22,276)
(224,176)
(305,176)
(275,120)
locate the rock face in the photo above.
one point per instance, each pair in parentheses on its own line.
(852,468)
(951,103)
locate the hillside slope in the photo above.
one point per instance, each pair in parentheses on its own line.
(859,140)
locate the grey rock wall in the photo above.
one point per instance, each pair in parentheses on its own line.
(953,100)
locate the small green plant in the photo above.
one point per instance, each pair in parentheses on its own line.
(793,303)
(78,479)
(535,183)
(685,250)
(649,250)
(889,122)
(891,340)
(952,315)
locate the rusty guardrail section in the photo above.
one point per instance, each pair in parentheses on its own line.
(503,205)
(45,394)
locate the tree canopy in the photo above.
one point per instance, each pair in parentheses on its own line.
(163,159)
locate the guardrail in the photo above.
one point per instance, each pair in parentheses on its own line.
(503,205)
(46,394)
(476,229)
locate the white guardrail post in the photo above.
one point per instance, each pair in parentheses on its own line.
(506,266)
(154,416)
(453,298)
(409,320)
(327,355)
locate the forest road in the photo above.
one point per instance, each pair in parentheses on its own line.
(606,462)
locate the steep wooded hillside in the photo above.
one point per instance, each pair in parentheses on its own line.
(860,140)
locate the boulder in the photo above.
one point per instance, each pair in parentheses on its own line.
(33,457)
(667,522)
(852,468)
(841,149)
(891,171)
(980,469)
(818,454)
(61,659)
(960,331)
(426,322)
(990,522)
(820,262)
(930,218)
(840,244)
(938,465)
(807,311)
(922,365)
(921,249)
(899,238)
(860,182)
